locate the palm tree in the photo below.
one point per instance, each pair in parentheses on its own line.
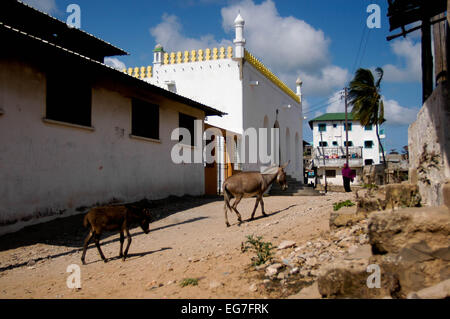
(364,96)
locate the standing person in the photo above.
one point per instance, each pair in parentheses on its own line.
(347,176)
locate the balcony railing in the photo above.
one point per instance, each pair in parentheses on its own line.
(335,156)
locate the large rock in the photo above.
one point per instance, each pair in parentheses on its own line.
(412,247)
(390,232)
(346,216)
(347,278)
(439,291)
(390,196)
(402,195)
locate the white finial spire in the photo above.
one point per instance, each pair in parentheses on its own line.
(239,41)
(299,87)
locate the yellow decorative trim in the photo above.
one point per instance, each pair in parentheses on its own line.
(268,74)
(182,57)
(229,52)
(141,73)
(222,53)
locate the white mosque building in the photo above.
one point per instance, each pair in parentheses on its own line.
(235,82)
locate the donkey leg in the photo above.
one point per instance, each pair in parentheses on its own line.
(226,214)
(97,243)
(86,244)
(262,206)
(128,244)
(236,202)
(254,209)
(122,238)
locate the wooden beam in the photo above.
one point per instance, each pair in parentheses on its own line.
(440,56)
(427,59)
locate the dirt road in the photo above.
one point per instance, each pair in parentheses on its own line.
(191,243)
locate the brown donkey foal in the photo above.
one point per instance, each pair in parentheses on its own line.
(111,218)
(249,184)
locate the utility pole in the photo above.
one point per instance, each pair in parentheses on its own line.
(346,126)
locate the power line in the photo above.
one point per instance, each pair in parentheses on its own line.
(323,105)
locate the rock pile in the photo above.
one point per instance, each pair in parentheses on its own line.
(409,247)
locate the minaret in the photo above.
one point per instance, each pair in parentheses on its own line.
(239,41)
(158,53)
(299,88)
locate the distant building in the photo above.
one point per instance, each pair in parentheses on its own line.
(237,83)
(74,132)
(329,140)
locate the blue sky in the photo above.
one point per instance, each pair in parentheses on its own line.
(323,42)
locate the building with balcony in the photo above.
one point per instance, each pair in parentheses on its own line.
(329,147)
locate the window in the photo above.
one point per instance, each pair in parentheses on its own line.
(330,173)
(322,127)
(187,122)
(68,99)
(350,143)
(144,119)
(323,144)
(334,125)
(368,127)
(335,143)
(368,162)
(349,126)
(368,144)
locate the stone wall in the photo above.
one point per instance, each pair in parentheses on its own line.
(429,147)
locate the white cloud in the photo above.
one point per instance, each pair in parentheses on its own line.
(410,55)
(115,63)
(287,45)
(48,6)
(394,113)
(168,34)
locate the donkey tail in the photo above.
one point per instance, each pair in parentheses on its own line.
(86,222)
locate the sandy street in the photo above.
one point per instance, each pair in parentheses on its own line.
(192,242)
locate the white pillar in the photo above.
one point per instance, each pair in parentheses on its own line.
(239,41)
(158,54)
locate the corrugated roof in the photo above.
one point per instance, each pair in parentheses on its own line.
(34,22)
(331,117)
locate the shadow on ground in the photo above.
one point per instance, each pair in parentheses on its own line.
(69,231)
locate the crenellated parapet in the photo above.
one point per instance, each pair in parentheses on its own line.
(183,57)
(197,55)
(250,58)
(141,73)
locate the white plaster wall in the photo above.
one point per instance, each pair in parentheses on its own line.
(214,83)
(48,168)
(263,100)
(217,83)
(357,135)
(429,147)
(338,180)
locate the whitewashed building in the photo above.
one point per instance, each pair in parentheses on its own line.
(237,83)
(74,132)
(329,146)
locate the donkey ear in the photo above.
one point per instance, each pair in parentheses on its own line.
(285,164)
